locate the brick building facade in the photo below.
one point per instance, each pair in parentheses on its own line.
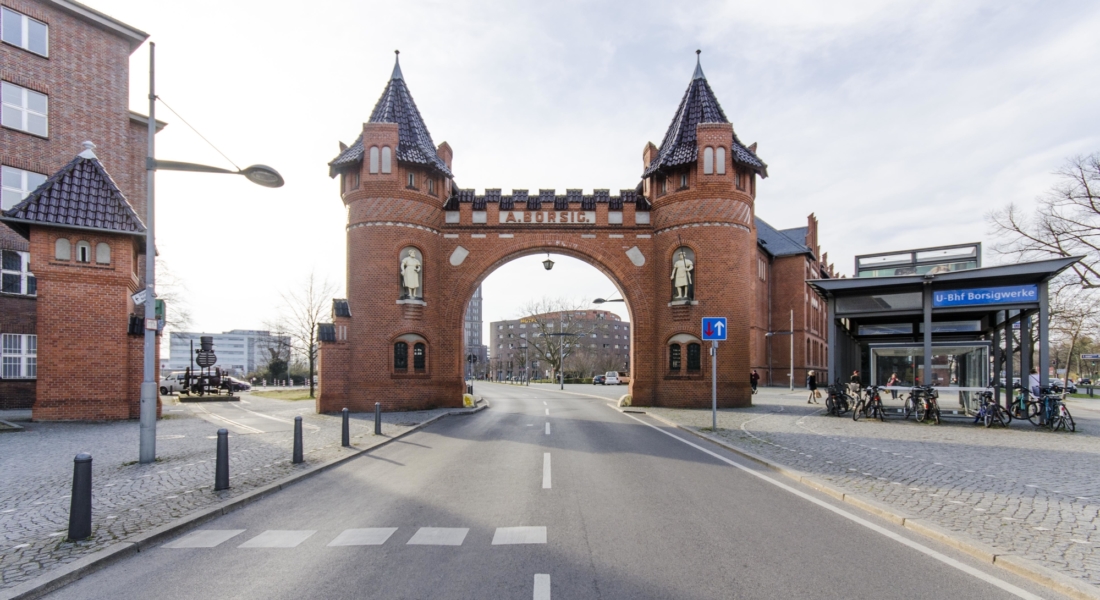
(64,70)
(599,342)
(679,245)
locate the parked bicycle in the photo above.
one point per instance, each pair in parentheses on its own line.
(1022,405)
(871,406)
(838,402)
(1051,411)
(990,412)
(922,403)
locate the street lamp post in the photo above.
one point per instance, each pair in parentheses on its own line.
(561,335)
(526,366)
(258,174)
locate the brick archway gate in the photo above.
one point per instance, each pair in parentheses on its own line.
(406,350)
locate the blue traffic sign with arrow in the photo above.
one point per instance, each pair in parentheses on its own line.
(714,329)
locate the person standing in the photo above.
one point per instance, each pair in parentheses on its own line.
(754,379)
(893,382)
(811,382)
(854,384)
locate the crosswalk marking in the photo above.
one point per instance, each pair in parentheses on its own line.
(278,538)
(204,538)
(542,587)
(519,535)
(439,536)
(373,536)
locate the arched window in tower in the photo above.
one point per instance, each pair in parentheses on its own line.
(683,181)
(83,252)
(674,358)
(374,159)
(103,253)
(683,275)
(387,159)
(411,180)
(695,353)
(62,249)
(401,356)
(419,356)
(720,160)
(708,161)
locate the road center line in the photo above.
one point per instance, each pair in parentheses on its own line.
(542,587)
(546,473)
(547,429)
(548,412)
(947,560)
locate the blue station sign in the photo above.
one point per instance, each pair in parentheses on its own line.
(1011,294)
(714,329)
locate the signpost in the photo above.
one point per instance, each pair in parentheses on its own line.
(1090,357)
(714,331)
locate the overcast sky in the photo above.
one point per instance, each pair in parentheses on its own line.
(899,124)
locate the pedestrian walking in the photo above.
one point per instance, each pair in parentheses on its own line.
(811,382)
(892,382)
(754,379)
(854,384)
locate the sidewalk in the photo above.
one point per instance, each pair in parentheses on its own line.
(1022,491)
(129,499)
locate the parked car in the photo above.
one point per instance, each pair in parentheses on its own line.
(1085,381)
(170,384)
(599,380)
(235,385)
(611,378)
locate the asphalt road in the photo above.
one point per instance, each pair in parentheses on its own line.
(548,495)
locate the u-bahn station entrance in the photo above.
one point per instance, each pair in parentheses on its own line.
(936,316)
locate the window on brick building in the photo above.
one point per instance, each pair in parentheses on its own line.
(664,185)
(419,356)
(694,357)
(83,252)
(62,249)
(103,253)
(24,109)
(387,159)
(401,356)
(20,356)
(17,184)
(708,161)
(431,186)
(20,30)
(15,275)
(720,160)
(411,180)
(739,179)
(674,357)
(683,181)
(374,159)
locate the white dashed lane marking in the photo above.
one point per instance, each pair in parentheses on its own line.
(439,536)
(519,535)
(205,538)
(373,536)
(542,587)
(279,538)
(547,429)
(546,471)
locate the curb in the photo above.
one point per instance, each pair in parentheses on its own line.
(1018,565)
(62,576)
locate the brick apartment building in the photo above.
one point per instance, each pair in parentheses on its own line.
(601,344)
(73,215)
(682,243)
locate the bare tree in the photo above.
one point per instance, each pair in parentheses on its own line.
(170,289)
(548,317)
(303,309)
(1066,222)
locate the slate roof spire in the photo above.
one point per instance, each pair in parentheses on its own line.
(699,105)
(415,144)
(81,195)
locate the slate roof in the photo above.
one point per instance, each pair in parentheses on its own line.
(787,242)
(340,308)
(414,142)
(326,332)
(699,105)
(81,195)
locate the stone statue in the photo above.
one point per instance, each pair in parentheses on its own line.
(681,275)
(410,274)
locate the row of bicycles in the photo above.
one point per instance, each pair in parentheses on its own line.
(922,403)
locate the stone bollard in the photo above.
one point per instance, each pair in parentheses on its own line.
(80,506)
(221,468)
(377,418)
(297,439)
(345,431)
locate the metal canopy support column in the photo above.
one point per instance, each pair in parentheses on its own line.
(927,335)
(1044,334)
(997,357)
(1009,352)
(1025,351)
(833,341)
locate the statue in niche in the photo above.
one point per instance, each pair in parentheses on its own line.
(410,275)
(681,275)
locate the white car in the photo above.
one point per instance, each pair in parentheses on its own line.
(611,378)
(169,384)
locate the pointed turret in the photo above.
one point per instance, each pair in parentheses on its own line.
(415,143)
(699,105)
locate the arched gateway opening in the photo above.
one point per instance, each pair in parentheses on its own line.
(679,246)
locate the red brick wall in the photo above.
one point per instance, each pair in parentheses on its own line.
(17,315)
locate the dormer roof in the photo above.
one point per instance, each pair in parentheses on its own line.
(81,195)
(699,105)
(415,144)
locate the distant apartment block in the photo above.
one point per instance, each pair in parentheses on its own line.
(240,351)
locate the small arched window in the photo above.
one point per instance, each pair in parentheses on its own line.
(694,357)
(431,186)
(374,159)
(411,180)
(103,253)
(708,161)
(419,350)
(674,357)
(63,249)
(720,160)
(401,356)
(387,159)
(83,252)
(683,181)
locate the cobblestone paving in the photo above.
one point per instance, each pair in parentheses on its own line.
(36,469)
(1022,490)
